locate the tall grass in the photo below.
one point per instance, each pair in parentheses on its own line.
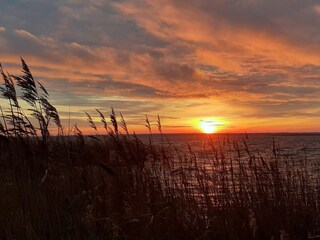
(114,186)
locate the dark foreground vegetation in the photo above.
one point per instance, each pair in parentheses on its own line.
(113,186)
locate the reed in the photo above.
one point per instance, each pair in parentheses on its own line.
(114,186)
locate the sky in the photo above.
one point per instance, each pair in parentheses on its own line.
(243,66)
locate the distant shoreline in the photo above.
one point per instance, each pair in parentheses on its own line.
(212,134)
(217,134)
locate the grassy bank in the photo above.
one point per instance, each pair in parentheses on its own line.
(113,186)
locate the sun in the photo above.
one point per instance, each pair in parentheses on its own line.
(208,126)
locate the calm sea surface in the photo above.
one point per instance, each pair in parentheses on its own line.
(301,149)
(302,144)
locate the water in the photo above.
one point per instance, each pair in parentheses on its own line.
(302,148)
(297,157)
(306,145)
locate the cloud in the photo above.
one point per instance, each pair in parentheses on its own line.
(317,8)
(106,86)
(208,53)
(229,27)
(175,72)
(290,109)
(29,36)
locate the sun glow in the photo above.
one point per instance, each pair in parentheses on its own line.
(209,125)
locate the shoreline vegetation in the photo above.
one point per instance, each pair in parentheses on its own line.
(113,186)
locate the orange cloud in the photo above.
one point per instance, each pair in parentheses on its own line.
(249,62)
